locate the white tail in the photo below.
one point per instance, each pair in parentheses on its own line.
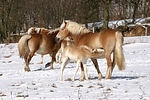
(119,55)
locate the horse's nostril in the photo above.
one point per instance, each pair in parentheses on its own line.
(57,39)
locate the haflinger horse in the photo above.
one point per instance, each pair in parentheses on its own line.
(110,40)
(38,43)
(79,55)
(38,30)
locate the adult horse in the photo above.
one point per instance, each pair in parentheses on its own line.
(39,43)
(110,40)
(38,30)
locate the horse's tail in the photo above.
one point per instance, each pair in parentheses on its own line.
(23,45)
(119,55)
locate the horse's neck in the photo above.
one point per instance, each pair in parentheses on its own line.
(76,38)
(80,37)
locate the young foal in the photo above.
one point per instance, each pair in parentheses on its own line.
(41,44)
(110,40)
(80,55)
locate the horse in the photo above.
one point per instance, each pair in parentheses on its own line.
(109,39)
(137,30)
(38,43)
(37,30)
(79,55)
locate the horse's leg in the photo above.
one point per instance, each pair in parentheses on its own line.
(76,69)
(109,66)
(82,72)
(26,68)
(52,61)
(41,62)
(59,56)
(65,61)
(114,62)
(97,68)
(85,70)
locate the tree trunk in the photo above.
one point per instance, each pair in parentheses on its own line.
(106,14)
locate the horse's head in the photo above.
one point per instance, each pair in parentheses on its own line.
(63,33)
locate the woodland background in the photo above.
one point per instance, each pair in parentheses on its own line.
(17,16)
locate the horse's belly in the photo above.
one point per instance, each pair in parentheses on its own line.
(42,51)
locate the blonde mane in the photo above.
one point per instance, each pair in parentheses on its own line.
(74,27)
(30,30)
(35,30)
(54,31)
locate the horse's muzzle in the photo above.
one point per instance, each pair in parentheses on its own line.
(57,39)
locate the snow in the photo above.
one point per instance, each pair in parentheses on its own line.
(129,84)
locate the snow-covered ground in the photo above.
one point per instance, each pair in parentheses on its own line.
(133,83)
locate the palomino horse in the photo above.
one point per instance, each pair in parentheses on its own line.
(80,55)
(110,40)
(37,30)
(41,44)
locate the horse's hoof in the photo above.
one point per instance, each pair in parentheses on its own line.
(26,69)
(107,78)
(99,76)
(51,68)
(81,79)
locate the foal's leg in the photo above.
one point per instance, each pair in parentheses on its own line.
(82,72)
(65,61)
(85,70)
(97,68)
(76,69)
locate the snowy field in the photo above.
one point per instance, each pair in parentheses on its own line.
(133,83)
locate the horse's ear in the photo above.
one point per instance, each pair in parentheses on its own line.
(64,22)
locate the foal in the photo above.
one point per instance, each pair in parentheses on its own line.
(80,55)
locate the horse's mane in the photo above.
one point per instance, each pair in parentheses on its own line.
(37,30)
(30,30)
(74,27)
(54,31)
